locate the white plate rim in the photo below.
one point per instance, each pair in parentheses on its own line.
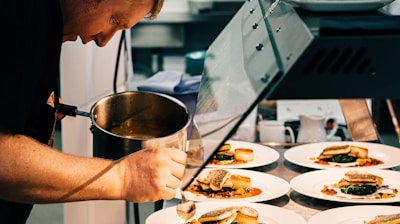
(345,214)
(278,214)
(312,182)
(339,5)
(301,154)
(272,187)
(263,155)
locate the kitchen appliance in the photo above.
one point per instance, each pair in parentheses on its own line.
(290,54)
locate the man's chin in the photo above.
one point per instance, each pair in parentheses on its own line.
(70,38)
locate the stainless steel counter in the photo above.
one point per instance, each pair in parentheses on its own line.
(303,205)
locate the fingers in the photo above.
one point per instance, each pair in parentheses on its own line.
(179,171)
(176,169)
(178,162)
(156,173)
(177,155)
(169,194)
(173,182)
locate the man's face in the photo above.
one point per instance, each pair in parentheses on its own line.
(99,20)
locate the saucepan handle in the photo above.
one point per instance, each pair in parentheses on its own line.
(70,110)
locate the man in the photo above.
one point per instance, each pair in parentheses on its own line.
(31,171)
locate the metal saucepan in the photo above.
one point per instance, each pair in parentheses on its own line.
(126,122)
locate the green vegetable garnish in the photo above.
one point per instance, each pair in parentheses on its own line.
(357,189)
(343,159)
(223,157)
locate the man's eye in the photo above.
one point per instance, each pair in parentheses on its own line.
(114,20)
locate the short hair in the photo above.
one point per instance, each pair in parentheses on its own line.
(155,10)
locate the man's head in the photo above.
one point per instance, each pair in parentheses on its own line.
(158,4)
(99,20)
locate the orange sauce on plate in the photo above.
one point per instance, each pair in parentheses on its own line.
(227,193)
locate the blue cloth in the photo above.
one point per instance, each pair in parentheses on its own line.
(171,83)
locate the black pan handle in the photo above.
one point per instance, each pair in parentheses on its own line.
(70,110)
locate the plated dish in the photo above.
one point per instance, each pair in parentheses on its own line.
(263,155)
(339,5)
(356,214)
(267,213)
(266,187)
(304,155)
(319,183)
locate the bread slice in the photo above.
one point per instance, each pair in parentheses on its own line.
(385,219)
(343,182)
(247,215)
(203,186)
(228,220)
(359,152)
(228,183)
(203,178)
(244,154)
(331,151)
(349,150)
(336,150)
(361,178)
(228,155)
(219,214)
(225,147)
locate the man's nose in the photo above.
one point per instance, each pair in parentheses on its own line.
(102,40)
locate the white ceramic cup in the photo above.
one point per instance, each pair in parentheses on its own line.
(274,131)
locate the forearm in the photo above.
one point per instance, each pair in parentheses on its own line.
(32,172)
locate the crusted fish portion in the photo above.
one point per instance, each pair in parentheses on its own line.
(385,219)
(219,214)
(218,178)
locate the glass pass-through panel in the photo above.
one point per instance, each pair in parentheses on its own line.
(240,69)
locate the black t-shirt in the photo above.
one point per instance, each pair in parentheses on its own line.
(30,44)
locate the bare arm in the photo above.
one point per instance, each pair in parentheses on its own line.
(32,172)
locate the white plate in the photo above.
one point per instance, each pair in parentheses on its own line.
(339,5)
(271,187)
(263,155)
(311,184)
(302,154)
(267,213)
(356,214)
